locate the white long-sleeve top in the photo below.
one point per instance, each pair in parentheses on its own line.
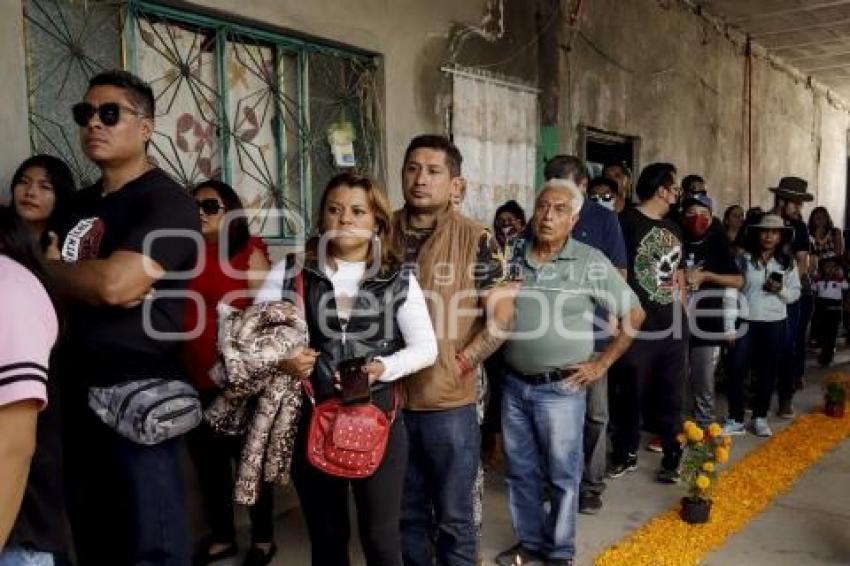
(758,304)
(420,350)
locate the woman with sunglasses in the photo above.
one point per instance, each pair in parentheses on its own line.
(358,303)
(234,264)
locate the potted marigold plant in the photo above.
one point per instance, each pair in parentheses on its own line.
(705,450)
(835,393)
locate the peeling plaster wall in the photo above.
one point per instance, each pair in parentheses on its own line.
(13,92)
(667,75)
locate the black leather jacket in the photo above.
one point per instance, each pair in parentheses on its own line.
(371,330)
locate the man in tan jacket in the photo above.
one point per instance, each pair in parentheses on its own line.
(460,268)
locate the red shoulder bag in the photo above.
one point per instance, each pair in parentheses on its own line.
(347,441)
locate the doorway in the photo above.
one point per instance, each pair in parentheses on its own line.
(599,147)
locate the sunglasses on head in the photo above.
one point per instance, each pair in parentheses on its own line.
(209,206)
(108,112)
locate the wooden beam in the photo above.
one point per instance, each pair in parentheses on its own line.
(786,11)
(818,56)
(820,25)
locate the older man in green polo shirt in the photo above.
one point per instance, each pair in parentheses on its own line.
(550,361)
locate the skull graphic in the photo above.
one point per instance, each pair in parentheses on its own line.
(665,269)
(656,261)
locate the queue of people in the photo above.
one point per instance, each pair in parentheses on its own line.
(389,319)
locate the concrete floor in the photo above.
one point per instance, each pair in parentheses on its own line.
(810,525)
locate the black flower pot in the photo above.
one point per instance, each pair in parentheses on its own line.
(695,511)
(834,409)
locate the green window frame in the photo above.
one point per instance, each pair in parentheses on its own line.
(257,108)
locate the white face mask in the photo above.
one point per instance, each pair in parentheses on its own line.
(606,200)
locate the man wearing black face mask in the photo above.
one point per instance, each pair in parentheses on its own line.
(711,271)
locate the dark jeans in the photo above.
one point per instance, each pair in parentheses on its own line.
(828,317)
(792,362)
(324,502)
(126,501)
(438,501)
(653,370)
(754,350)
(214,456)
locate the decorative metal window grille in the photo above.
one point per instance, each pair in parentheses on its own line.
(273,115)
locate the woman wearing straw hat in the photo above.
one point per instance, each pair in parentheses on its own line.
(771,282)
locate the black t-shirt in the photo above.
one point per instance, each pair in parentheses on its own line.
(108,344)
(654,249)
(713,253)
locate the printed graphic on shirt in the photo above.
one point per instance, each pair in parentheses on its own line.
(83,241)
(657,259)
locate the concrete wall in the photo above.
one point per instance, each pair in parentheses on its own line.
(13,92)
(659,71)
(643,67)
(415,37)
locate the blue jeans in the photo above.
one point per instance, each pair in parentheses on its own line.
(127,503)
(17,556)
(542,428)
(437,506)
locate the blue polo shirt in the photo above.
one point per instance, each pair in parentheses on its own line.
(598,227)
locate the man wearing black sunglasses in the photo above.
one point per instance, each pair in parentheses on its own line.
(603,191)
(126,500)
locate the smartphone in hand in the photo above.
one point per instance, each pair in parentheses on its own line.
(354,381)
(773,280)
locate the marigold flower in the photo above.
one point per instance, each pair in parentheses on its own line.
(688,425)
(703,482)
(714,429)
(721,455)
(727,441)
(708,467)
(681,438)
(695,434)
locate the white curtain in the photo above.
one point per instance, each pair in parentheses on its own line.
(495,127)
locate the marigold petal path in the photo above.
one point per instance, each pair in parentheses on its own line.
(741,493)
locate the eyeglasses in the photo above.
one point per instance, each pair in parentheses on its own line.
(108,112)
(607,197)
(209,206)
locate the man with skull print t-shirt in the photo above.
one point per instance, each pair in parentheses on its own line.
(654,367)
(655,255)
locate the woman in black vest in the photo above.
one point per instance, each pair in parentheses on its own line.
(358,303)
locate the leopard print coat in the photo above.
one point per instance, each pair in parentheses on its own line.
(259,400)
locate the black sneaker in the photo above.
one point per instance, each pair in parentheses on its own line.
(667,475)
(786,409)
(627,466)
(518,555)
(589,503)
